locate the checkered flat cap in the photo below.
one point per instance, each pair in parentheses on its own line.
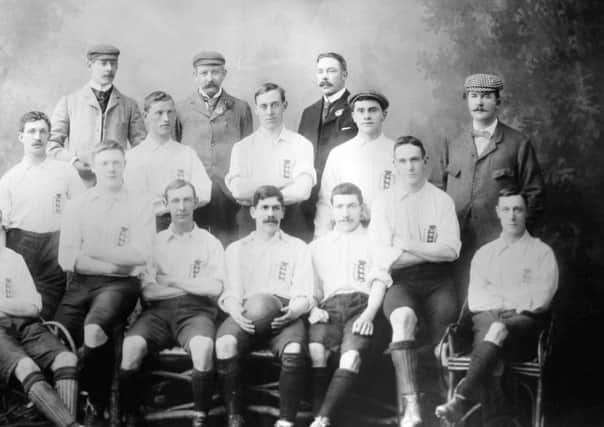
(483,83)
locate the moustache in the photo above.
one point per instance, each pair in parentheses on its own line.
(270,220)
(211,84)
(325,83)
(479,109)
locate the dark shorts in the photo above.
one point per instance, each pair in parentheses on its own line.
(22,337)
(40,252)
(167,323)
(523,331)
(277,340)
(428,289)
(336,335)
(102,300)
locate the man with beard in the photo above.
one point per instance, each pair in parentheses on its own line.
(96,112)
(268,261)
(211,121)
(479,163)
(328,122)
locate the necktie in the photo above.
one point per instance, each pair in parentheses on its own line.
(326,105)
(481,134)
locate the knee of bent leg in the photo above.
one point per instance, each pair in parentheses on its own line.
(134,350)
(404,319)
(318,354)
(292,360)
(63,360)
(497,333)
(350,360)
(292,347)
(25,367)
(226,347)
(94,335)
(202,350)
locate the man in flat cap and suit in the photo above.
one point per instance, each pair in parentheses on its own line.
(328,122)
(210,120)
(94,113)
(479,163)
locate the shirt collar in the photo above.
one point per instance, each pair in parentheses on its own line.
(205,95)
(253,237)
(490,129)
(406,192)
(153,144)
(282,135)
(335,96)
(337,235)
(96,86)
(364,141)
(170,234)
(96,194)
(502,244)
(28,164)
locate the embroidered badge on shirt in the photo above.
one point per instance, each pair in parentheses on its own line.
(386,180)
(195,269)
(431,234)
(527,276)
(180,174)
(282,272)
(58,203)
(359,273)
(339,112)
(286,171)
(8,288)
(122,238)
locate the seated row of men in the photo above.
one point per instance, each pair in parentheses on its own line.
(401,263)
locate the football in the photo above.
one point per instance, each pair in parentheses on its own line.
(261,309)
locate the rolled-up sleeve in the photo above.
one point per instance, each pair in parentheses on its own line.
(305,160)
(233,288)
(449,226)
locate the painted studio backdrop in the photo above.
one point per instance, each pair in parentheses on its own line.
(417,52)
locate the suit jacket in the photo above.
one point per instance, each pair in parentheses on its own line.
(337,128)
(212,135)
(474,181)
(78,123)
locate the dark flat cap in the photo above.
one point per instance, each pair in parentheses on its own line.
(370,94)
(102,50)
(208,58)
(483,83)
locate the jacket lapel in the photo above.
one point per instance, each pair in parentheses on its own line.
(114,99)
(225,102)
(492,145)
(198,105)
(337,108)
(90,98)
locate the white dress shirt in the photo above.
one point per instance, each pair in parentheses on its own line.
(521,276)
(34,196)
(367,164)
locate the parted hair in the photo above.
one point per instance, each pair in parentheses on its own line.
(266,192)
(267,87)
(107,145)
(179,183)
(33,116)
(347,188)
(335,56)
(153,97)
(513,191)
(409,140)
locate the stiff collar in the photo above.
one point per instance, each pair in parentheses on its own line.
(96,86)
(490,129)
(335,235)
(169,234)
(264,134)
(253,237)
(205,95)
(334,96)
(405,192)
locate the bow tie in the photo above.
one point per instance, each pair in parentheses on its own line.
(481,134)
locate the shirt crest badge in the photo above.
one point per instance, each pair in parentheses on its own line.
(282,271)
(7,288)
(195,269)
(386,179)
(527,276)
(58,203)
(431,234)
(123,236)
(286,170)
(180,174)
(359,271)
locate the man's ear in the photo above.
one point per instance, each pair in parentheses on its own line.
(285,105)
(253,212)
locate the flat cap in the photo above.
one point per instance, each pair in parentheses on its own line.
(483,83)
(102,50)
(370,94)
(208,58)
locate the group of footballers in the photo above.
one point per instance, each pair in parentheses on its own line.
(332,235)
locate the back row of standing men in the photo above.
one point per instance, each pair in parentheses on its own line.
(415,232)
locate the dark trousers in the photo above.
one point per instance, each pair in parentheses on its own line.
(40,251)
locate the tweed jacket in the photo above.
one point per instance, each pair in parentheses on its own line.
(212,135)
(78,123)
(474,181)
